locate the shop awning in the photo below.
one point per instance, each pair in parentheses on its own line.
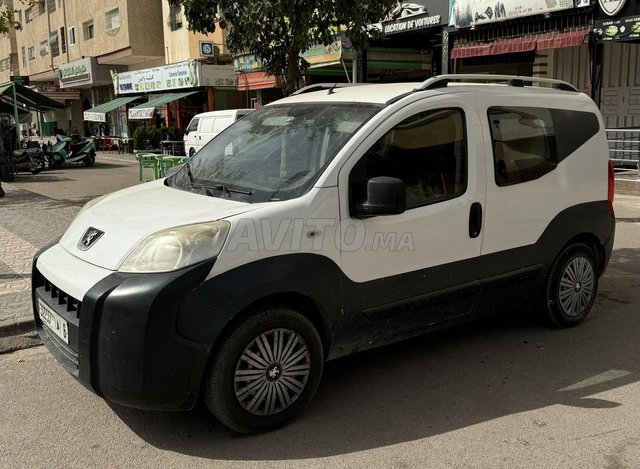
(31,99)
(256,81)
(99,113)
(145,110)
(554,40)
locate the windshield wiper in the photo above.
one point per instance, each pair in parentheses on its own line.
(219,187)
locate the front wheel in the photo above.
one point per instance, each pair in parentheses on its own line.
(572,287)
(265,372)
(89,160)
(191,152)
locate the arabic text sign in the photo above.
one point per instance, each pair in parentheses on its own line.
(95,116)
(169,77)
(464,13)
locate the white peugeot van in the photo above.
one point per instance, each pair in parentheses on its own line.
(330,222)
(203,127)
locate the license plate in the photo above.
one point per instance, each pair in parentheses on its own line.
(53,321)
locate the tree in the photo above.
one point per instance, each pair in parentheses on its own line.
(8,20)
(278,31)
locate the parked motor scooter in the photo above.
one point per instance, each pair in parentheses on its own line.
(66,150)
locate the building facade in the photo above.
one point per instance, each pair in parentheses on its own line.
(68,49)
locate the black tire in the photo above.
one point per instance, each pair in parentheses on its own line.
(35,170)
(266,396)
(572,287)
(191,152)
(53,164)
(89,160)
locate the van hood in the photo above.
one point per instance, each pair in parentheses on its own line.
(129,216)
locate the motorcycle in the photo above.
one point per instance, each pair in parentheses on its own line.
(68,150)
(31,159)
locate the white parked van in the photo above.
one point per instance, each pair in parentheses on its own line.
(326,223)
(203,127)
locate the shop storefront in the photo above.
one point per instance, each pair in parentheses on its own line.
(415,44)
(517,37)
(170,95)
(258,87)
(616,59)
(91,85)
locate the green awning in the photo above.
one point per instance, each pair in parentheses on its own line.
(99,113)
(31,99)
(145,110)
(7,108)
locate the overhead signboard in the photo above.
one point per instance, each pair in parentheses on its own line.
(166,78)
(619,30)
(465,13)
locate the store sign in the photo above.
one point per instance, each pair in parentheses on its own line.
(77,73)
(465,13)
(611,7)
(95,116)
(244,63)
(219,76)
(20,80)
(623,29)
(319,54)
(152,80)
(142,113)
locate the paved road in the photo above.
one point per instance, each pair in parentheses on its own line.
(36,210)
(499,393)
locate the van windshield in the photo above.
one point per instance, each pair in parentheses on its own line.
(274,153)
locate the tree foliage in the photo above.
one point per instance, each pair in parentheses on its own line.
(8,20)
(278,31)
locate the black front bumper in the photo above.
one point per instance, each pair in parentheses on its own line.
(123,343)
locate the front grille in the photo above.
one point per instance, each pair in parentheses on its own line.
(67,307)
(62,299)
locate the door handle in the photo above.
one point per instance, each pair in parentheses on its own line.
(475,220)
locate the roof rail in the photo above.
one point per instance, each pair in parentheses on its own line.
(323,86)
(441,81)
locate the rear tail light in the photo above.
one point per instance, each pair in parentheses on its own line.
(612,185)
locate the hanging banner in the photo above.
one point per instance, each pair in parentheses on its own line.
(465,13)
(166,78)
(623,29)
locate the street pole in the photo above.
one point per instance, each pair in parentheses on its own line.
(15,116)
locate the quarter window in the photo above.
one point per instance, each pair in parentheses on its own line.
(427,151)
(524,144)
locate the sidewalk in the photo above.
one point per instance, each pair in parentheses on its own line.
(37,209)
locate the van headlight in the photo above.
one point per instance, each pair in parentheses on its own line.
(177,248)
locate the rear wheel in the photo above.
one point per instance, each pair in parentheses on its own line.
(265,372)
(572,287)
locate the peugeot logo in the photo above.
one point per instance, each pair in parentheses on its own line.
(89,238)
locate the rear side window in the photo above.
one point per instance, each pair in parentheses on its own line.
(427,151)
(529,142)
(222,123)
(207,125)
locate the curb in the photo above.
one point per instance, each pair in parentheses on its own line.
(17,328)
(627,186)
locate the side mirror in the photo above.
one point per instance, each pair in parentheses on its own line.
(186,131)
(385,196)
